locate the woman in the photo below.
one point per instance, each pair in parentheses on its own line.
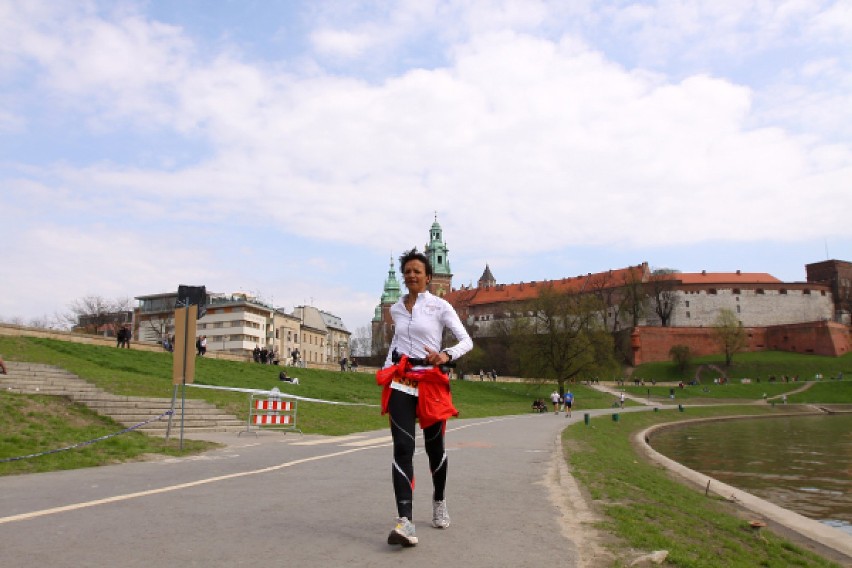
(419,391)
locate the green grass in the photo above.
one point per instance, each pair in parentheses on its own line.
(714,393)
(756,365)
(645,510)
(144,373)
(33,424)
(825,392)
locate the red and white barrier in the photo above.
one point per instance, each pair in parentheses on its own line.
(274,405)
(273,419)
(268,409)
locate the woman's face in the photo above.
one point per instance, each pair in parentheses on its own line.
(415,276)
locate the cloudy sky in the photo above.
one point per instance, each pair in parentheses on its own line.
(290,148)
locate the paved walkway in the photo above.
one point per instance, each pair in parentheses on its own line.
(307,501)
(315,501)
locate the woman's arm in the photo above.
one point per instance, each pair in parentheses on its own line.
(452,321)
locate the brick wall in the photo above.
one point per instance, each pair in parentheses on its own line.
(819,338)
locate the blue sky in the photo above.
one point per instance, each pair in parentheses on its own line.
(291,148)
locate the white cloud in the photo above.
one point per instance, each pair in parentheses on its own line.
(525,142)
(340,43)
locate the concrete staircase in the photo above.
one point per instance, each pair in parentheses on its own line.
(35,378)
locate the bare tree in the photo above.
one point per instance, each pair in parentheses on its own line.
(608,294)
(564,338)
(92,314)
(730,334)
(633,299)
(662,291)
(159,324)
(43,322)
(361,342)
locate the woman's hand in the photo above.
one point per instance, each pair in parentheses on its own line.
(436,357)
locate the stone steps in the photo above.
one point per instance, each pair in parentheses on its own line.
(199,416)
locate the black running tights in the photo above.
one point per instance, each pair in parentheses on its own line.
(402,409)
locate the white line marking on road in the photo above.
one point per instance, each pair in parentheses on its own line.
(382,440)
(170,488)
(332,440)
(378,442)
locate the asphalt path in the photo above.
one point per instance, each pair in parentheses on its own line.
(306,501)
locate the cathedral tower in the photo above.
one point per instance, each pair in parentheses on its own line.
(382,323)
(437,251)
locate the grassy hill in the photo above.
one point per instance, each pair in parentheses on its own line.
(758,365)
(33,424)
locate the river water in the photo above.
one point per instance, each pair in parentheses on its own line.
(801,463)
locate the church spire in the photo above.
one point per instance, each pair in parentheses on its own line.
(437,250)
(391,292)
(487,279)
(438,253)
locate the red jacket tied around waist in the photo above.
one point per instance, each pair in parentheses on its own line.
(434,401)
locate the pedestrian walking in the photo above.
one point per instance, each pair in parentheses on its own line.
(419,391)
(568,403)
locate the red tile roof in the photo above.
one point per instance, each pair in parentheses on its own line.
(719,278)
(529,290)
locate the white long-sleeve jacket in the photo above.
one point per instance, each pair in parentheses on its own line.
(424,327)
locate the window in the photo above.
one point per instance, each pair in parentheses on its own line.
(687,303)
(806,292)
(738,308)
(759,291)
(736,291)
(712,291)
(688,315)
(782,291)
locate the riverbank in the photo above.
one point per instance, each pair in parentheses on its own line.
(645,507)
(824,536)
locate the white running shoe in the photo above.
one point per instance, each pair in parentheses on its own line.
(403,533)
(440,516)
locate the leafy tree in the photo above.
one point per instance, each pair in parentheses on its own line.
(563,338)
(730,334)
(681,356)
(472,362)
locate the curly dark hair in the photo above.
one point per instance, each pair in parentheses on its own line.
(414,254)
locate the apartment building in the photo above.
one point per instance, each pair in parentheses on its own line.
(237,323)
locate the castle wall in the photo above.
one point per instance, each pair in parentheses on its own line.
(816,338)
(756,307)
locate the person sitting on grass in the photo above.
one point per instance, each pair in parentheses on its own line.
(282,376)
